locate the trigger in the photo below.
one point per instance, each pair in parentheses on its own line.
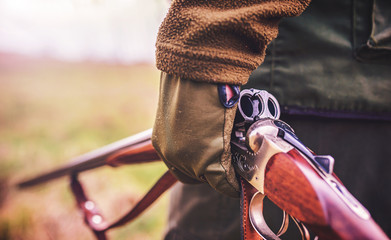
(305,234)
(284,224)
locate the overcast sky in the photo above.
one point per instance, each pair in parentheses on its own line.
(102,30)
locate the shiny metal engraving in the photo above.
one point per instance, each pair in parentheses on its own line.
(262,142)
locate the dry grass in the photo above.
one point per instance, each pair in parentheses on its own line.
(51,111)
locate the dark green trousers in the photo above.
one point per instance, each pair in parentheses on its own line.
(361,148)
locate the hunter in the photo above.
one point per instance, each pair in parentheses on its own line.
(329,68)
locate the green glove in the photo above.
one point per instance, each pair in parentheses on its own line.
(192,133)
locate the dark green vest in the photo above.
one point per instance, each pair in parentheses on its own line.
(334,60)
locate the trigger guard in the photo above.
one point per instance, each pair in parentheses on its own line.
(258,221)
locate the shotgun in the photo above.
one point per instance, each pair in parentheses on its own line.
(270,162)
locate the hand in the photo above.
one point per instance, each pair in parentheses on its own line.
(192,133)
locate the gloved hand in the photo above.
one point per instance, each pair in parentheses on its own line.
(192,133)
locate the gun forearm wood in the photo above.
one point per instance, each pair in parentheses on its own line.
(294,186)
(139,153)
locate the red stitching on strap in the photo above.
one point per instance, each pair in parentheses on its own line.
(248,231)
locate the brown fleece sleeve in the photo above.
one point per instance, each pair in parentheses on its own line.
(220,40)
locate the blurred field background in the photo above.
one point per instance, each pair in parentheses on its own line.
(75,75)
(51,111)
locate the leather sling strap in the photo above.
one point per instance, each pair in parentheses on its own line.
(95,221)
(247,192)
(139,153)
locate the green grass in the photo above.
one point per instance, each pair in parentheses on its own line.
(52,111)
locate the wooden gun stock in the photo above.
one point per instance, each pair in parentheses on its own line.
(294,186)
